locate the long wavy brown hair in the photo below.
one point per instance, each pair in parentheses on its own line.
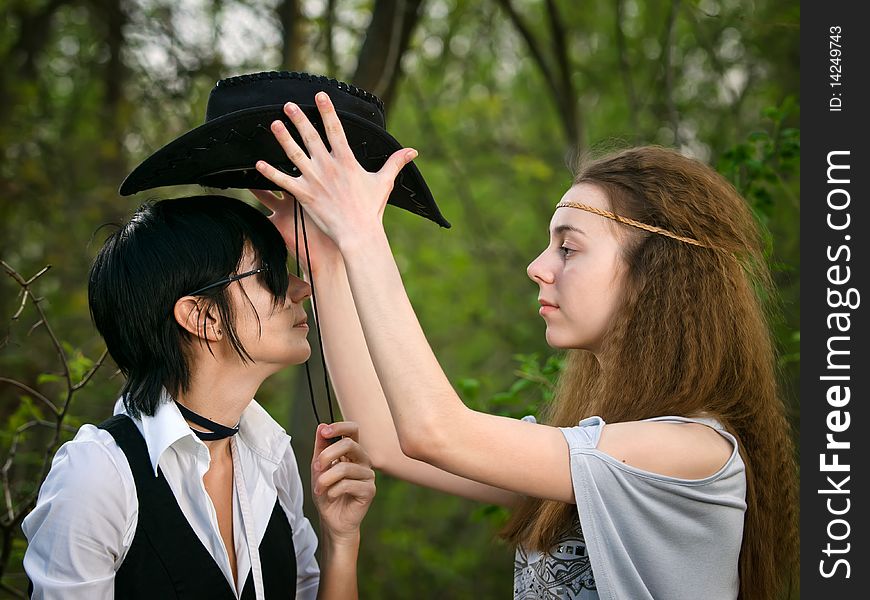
(694,329)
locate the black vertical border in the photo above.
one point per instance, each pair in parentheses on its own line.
(824,131)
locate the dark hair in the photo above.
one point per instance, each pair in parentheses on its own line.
(168,249)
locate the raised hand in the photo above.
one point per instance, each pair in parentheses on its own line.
(342,480)
(344,199)
(322,251)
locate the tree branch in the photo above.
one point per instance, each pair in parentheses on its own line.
(25,284)
(32,392)
(11,521)
(534,47)
(667,65)
(87,376)
(387,38)
(570,115)
(561,89)
(625,69)
(290,17)
(328,25)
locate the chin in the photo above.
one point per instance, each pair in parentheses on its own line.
(566,343)
(301,356)
(554,341)
(293,356)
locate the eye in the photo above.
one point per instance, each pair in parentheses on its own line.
(566,251)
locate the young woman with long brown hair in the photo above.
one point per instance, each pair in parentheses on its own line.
(666,468)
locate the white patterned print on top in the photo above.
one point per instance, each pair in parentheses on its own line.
(563,572)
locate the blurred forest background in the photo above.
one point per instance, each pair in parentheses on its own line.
(497,95)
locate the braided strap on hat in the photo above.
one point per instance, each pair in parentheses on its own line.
(632,222)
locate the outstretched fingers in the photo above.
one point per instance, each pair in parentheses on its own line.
(312,139)
(293,150)
(332,125)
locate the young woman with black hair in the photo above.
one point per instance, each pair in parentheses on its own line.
(666,468)
(192,490)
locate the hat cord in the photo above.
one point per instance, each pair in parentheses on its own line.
(296,219)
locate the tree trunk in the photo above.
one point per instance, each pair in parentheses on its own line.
(291,19)
(387,39)
(114,18)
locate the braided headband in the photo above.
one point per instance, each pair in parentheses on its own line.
(632,222)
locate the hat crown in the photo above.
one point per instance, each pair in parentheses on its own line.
(275,88)
(223,151)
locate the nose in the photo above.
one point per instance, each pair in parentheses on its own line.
(298,289)
(538,270)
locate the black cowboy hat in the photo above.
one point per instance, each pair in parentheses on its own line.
(222,152)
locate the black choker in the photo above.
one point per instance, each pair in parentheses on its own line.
(218,431)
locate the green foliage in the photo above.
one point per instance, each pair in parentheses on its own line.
(765,169)
(719,80)
(533,387)
(760,167)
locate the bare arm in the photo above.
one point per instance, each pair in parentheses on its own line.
(353,375)
(362,399)
(432,423)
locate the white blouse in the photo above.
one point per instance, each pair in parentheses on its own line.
(87,511)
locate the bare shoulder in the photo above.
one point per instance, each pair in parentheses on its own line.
(683,450)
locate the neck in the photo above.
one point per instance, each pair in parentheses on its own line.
(221,394)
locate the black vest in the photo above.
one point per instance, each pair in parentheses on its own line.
(166,558)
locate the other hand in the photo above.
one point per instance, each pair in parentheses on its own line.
(342,480)
(322,251)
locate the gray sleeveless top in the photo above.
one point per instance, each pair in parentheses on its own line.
(644,536)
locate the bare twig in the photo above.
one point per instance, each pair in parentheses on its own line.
(7,466)
(41,272)
(33,327)
(13,516)
(37,304)
(18,312)
(87,376)
(17,276)
(39,396)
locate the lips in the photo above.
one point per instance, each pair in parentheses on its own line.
(301,322)
(546,307)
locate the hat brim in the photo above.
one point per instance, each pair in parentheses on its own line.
(222,153)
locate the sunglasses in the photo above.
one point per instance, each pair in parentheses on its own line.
(227,280)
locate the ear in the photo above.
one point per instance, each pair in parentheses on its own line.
(190,313)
